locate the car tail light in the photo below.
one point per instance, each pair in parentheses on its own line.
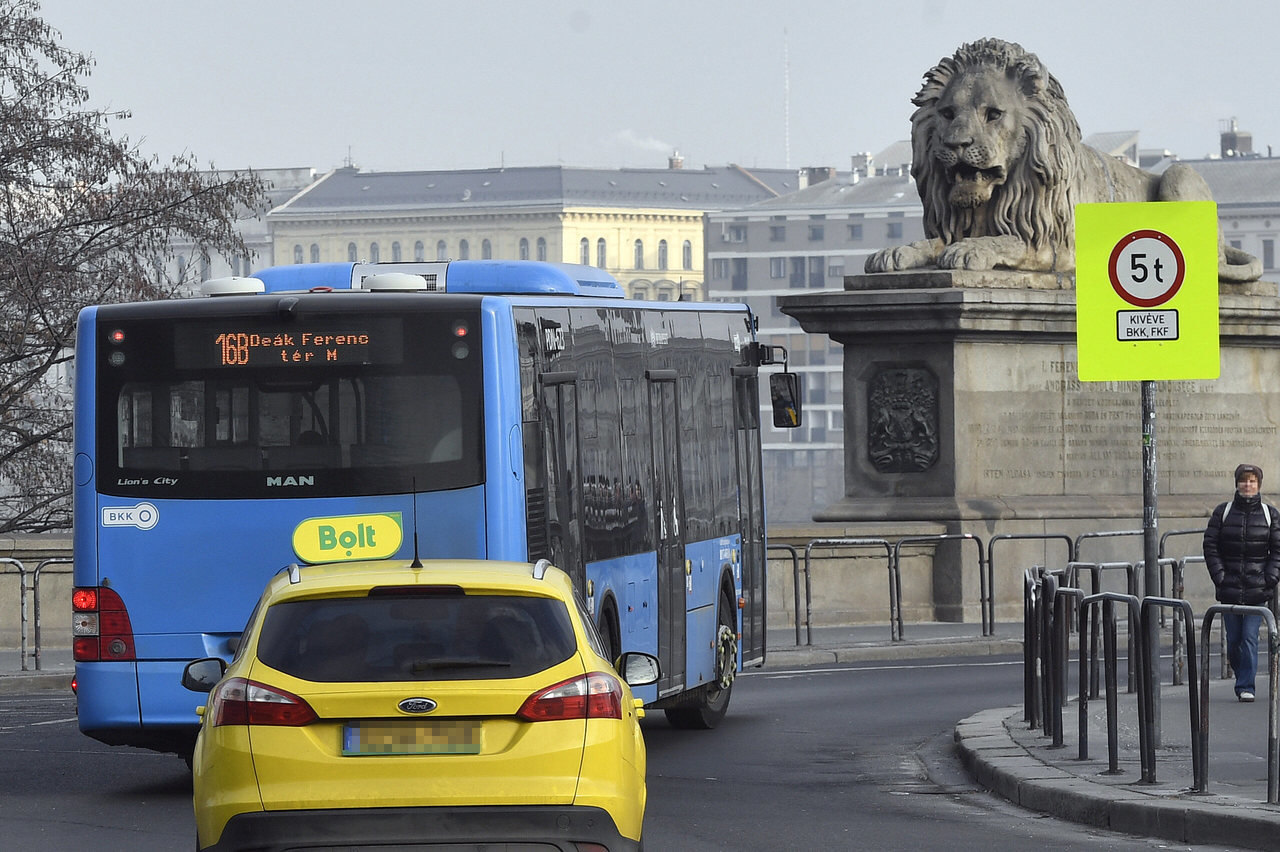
(100,626)
(591,696)
(239,701)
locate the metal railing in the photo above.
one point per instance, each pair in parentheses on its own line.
(987,591)
(895,567)
(1273,710)
(895,600)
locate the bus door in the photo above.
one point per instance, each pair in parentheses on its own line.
(664,430)
(563,474)
(746,392)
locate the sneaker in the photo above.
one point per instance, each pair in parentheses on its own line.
(1246,697)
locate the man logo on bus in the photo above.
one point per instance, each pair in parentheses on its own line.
(280,481)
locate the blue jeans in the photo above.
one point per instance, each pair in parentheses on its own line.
(1242,648)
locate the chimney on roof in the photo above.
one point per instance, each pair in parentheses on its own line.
(811,175)
(675,161)
(1235,142)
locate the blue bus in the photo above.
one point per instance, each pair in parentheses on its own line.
(471,409)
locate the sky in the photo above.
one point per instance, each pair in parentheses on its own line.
(399,85)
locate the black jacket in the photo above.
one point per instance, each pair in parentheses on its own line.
(1242,551)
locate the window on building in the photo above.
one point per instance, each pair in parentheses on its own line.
(777,267)
(584,252)
(777,233)
(735,234)
(601,253)
(893,231)
(688,254)
(664,294)
(206,267)
(235,266)
(442,250)
(352,253)
(182,268)
(662,254)
(639,258)
(1234,243)
(374,253)
(542,248)
(486,250)
(720,268)
(855,230)
(524,248)
(739,279)
(797,272)
(395,252)
(639,291)
(315,253)
(464,250)
(297,254)
(817,232)
(835,268)
(419,251)
(817,270)
(1268,254)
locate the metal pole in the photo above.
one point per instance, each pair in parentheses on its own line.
(1151,549)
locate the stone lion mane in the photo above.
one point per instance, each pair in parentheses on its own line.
(1035,201)
(1015,206)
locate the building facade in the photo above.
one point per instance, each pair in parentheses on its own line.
(809,240)
(644,226)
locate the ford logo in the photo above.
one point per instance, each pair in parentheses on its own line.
(417,705)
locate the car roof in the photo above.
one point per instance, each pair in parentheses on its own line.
(339,578)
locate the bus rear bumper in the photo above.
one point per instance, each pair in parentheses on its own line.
(108,708)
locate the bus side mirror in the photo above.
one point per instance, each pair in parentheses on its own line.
(784,391)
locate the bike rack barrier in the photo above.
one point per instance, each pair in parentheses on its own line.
(1088,606)
(988,581)
(1080,539)
(895,572)
(1273,699)
(895,603)
(1030,646)
(22,604)
(1096,570)
(35,587)
(1059,656)
(795,581)
(1150,663)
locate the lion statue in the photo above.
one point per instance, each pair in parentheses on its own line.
(999,165)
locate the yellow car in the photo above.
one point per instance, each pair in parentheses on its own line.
(392,706)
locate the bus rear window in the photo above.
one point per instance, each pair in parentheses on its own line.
(408,413)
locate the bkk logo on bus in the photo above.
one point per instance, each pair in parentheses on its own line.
(348,537)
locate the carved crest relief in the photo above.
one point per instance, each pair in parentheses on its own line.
(902,419)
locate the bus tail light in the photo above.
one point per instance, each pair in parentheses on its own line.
(100,626)
(238,701)
(592,696)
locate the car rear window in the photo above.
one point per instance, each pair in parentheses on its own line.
(416,637)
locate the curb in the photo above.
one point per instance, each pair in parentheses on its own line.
(1002,765)
(923,649)
(15,683)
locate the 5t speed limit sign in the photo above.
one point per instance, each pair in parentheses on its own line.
(1147,291)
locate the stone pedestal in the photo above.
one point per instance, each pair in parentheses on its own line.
(963,407)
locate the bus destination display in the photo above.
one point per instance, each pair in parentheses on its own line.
(332,343)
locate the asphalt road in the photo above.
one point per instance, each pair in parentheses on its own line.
(840,757)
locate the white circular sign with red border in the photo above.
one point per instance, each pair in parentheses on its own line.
(1146,268)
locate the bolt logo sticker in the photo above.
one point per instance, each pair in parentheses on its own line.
(348,538)
(144,516)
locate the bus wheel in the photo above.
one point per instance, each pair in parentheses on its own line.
(709,703)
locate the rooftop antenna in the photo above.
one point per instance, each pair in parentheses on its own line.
(786,98)
(417,563)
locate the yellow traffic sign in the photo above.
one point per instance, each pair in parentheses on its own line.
(1147,291)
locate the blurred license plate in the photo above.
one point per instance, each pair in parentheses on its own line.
(369,739)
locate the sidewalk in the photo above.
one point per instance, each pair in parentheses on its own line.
(1006,756)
